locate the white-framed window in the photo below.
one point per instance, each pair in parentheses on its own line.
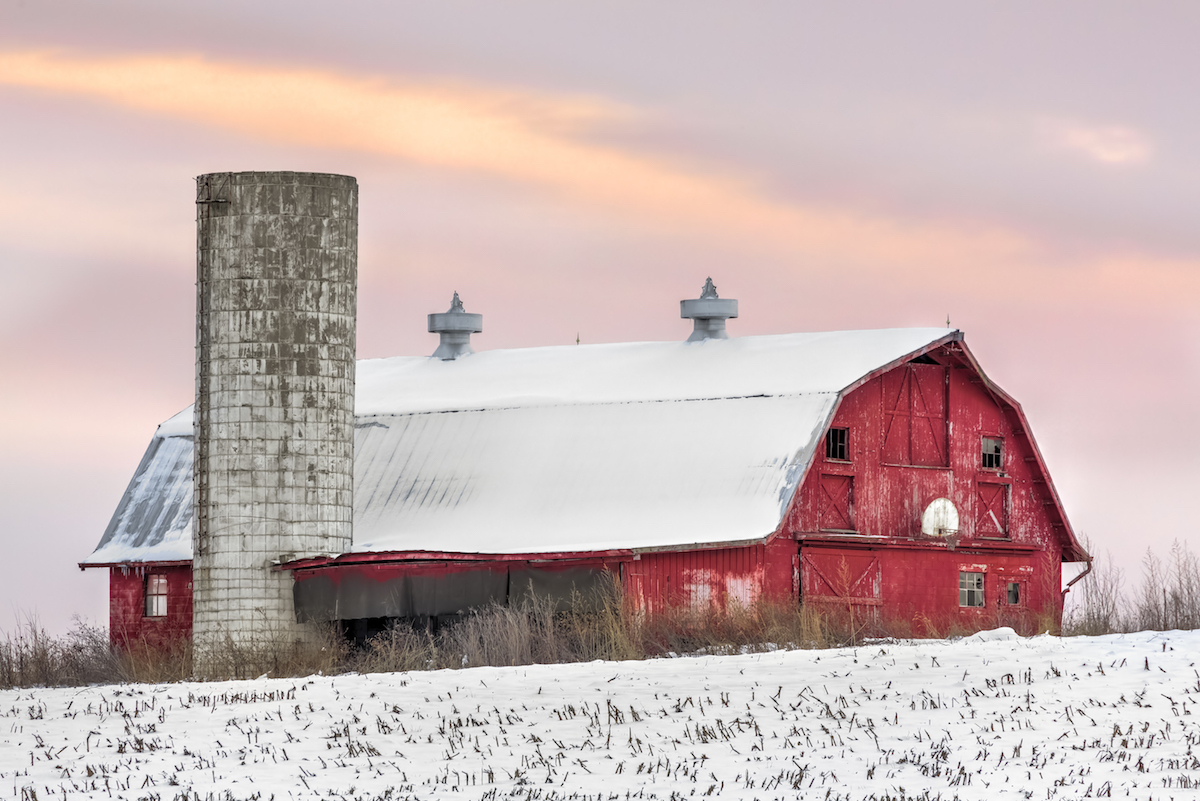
(156,595)
(970,589)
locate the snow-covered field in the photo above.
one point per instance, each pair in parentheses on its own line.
(985,717)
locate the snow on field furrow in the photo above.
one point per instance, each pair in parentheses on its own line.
(989,716)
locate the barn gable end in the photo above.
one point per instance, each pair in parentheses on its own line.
(904,445)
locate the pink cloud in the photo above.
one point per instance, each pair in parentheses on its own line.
(535,140)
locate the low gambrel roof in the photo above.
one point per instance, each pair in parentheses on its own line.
(571,449)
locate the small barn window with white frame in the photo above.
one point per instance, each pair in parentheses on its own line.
(970,589)
(156,595)
(837,444)
(993,453)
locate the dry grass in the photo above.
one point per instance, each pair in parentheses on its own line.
(270,653)
(536,632)
(31,657)
(765,625)
(533,632)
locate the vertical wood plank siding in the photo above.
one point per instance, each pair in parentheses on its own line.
(127,622)
(1010,527)
(715,578)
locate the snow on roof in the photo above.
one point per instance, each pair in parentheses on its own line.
(786,364)
(581,477)
(153,521)
(573,448)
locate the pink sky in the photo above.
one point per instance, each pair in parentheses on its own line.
(576,169)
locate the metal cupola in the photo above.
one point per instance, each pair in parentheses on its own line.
(709,313)
(455,328)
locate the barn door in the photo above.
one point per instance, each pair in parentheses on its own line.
(991,509)
(646,586)
(836,503)
(844,585)
(914,415)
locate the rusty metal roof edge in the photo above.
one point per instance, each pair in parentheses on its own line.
(953,336)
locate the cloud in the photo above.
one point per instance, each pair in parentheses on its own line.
(1110,144)
(550,143)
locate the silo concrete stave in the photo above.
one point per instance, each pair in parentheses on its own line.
(275,348)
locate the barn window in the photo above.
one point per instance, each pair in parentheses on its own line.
(1014,593)
(970,589)
(837,444)
(993,453)
(156,595)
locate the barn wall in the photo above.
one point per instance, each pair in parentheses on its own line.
(909,592)
(714,578)
(1007,519)
(887,500)
(127,622)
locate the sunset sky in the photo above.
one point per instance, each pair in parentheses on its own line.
(1029,171)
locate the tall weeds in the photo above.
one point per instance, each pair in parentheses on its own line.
(1168,597)
(269,652)
(534,631)
(31,657)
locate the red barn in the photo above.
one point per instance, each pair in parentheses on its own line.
(876,474)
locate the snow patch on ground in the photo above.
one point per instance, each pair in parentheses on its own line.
(992,716)
(1002,634)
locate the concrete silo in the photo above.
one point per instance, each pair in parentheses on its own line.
(277,260)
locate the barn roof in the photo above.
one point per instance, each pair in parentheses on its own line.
(562,449)
(153,521)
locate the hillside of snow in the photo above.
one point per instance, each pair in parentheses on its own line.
(989,716)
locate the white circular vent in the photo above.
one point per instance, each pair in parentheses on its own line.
(940,518)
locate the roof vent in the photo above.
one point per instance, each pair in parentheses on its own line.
(709,313)
(455,328)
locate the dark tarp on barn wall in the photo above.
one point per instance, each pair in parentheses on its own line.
(352,593)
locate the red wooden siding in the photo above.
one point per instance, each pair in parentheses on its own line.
(127,619)
(837,581)
(836,503)
(914,415)
(714,578)
(916,434)
(890,493)
(915,592)
(991,508)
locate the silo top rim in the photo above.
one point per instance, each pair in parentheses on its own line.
(280,176)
